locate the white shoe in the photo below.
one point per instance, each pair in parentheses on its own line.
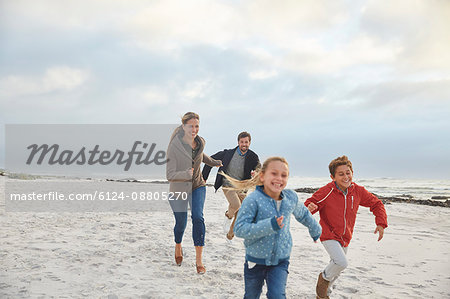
(226,224)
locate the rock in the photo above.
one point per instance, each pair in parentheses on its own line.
(410,199)
(440,197)
(404,198)
(306,190)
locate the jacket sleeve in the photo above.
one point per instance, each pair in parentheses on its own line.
(304,216)
(172,173)
(207,169)
(376,206)
(257,163)
(210,161)
(319,198)
(246,228)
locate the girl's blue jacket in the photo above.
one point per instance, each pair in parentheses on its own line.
(256,222)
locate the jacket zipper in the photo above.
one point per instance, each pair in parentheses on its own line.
(352,202)
(277,235)
(345,220)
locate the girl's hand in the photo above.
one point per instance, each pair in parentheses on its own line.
(280,221)
(380,231)
(220,164)
(312,207)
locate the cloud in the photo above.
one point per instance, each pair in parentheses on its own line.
(171,25)
(419,27)
(197,89)
(404,94)
(282,23)
(144,97)
(262,74)
(314,67)
(96,15)
(317,59)
(54,79)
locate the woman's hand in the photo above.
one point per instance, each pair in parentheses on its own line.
(220,164)
(191,172)
(380,231)
(280,221)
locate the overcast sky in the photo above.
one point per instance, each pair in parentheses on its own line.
(310,80)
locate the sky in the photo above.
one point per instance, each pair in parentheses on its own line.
(310,80)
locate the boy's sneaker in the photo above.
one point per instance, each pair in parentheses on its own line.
(226,223)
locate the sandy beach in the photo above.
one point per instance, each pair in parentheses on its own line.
(130,255)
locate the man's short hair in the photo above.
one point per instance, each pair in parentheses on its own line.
(243,135)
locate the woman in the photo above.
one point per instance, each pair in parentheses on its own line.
(185,155)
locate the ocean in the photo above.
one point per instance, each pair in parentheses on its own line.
(419,189)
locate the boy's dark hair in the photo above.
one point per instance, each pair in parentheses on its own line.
(243,135)
(339,162)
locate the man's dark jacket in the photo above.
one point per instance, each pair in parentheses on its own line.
(251,163)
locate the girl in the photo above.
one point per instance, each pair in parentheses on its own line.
(185,154)
(263,221)
(338,203)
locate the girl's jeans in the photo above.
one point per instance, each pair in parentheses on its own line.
(275,276)
(196,201)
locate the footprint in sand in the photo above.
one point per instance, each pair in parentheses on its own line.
(350,290)
(362,269)
(120,284)
(54,278)
(415,286)
(353,277)
(380,281)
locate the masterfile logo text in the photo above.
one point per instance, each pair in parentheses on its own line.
(88,150)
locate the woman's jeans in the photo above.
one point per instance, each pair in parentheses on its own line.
(196,201)
(275,276)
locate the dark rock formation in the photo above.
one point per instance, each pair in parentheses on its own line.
(440,197)
(427,202)
(435,201)
(306,190)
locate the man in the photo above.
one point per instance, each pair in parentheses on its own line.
(239,163)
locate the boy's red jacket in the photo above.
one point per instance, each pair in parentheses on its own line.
(338,211)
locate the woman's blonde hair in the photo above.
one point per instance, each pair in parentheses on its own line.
(254,181)
(186,117)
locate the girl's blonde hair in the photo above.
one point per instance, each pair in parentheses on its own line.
(254,181)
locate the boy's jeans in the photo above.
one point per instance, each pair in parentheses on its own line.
(275,276)
(338,261)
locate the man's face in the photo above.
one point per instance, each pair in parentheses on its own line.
(244,144)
